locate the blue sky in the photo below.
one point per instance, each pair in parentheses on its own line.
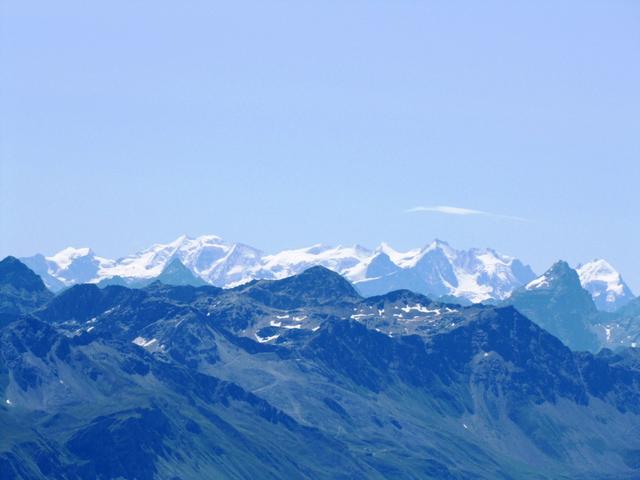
(286,123)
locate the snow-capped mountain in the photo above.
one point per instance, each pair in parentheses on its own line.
(68,267)
(436,270)
(605,285)
(558,303)
(343,260)
(208,257)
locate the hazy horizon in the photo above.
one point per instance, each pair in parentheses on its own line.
(284,124)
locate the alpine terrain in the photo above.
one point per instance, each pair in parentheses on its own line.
(303,377)
(437,270)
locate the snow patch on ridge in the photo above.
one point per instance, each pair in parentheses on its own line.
(541,282)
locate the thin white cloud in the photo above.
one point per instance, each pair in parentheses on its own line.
(449,210)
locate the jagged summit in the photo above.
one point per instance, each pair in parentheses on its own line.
(559,272)
(599,278)
(437,269)
(557,302)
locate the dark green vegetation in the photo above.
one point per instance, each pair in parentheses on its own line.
(300,378)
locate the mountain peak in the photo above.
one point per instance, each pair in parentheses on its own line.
(174,265)
(66,256)
(560,271)
(208,238)
(315,286)
(437,244)
(440,243)
(381,265)
(185,241)
(181,239)
(604,282)
(557,302)
(21,290)
(319,275)
(16,274)
(175,273)
(397,257)
(436,269)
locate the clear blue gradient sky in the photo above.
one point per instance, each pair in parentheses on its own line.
(285,123)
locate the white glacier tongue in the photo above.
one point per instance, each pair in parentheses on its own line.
(608,289)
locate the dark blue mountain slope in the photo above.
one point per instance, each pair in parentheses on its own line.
(303,378)
(21,290)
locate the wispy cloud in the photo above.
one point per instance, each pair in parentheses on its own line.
(449,210)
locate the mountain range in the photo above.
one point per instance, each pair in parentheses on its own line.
(437,270)
(303,377)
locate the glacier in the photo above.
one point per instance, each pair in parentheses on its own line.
(437,269)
